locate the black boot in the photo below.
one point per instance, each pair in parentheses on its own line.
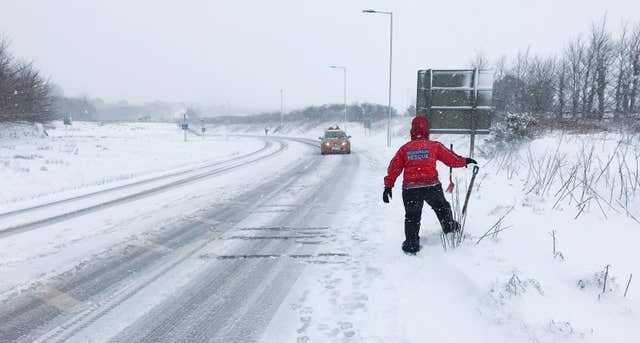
(411,246)
(445,217)
(452,226)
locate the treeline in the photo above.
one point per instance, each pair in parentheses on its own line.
(313,114)
(597,75)
(25,95)
(96,109)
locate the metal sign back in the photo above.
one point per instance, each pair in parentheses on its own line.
(456,101)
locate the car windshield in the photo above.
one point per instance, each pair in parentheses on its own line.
(335,134)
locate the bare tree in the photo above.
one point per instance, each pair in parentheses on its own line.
(634,57)
(32,101)
(574,55)
(540,85)
(595,74)
(562,88)
(7,78)
(503,85)
(586,88)
(480,60)
(623,79)
(500,68)
(24,93)
(602,49)
(520,72)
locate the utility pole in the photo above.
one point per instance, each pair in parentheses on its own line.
(390,14)
(184,126)
(344,90)
(344,75)
(281,109)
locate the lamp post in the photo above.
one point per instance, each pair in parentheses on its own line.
(390,14)
(344,75)
(281,109)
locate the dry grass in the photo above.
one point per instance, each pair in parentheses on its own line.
(590,178)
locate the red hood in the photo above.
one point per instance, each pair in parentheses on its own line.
(419,128)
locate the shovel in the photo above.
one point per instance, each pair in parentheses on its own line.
(451,185)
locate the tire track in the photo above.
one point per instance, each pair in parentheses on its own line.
(241,162)
(105,282)
(234,300)
(128,185)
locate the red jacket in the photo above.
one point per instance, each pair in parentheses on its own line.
(418,158)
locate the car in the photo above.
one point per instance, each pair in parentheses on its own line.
(335,141)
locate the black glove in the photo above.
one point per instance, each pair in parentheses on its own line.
(471,161)
(386,195)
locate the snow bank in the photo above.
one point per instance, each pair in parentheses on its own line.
(511,286)
(87,156)
(554,269)
(12,131)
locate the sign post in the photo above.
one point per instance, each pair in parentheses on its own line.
(456,101)
(185,126)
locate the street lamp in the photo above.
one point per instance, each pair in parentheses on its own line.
(281,109)
(390,64)
(344,74)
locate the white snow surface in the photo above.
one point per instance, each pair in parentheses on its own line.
(507,288)
(71,160)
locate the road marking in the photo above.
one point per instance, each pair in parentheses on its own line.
(150,245)
(211,222)
(273,256)
(60,300)
(284,228)
(277,237)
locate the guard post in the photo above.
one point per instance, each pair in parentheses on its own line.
(456,101)
(185,126)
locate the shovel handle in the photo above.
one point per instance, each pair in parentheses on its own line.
(466,199)
(450,168)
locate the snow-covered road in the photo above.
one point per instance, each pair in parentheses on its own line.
(32,217)
(268,241)
(219,270)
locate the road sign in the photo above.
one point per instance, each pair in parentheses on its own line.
(185,126)
(456,101)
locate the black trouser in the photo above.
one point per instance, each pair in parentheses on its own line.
(413,199)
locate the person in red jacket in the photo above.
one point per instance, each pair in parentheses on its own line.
(421,184)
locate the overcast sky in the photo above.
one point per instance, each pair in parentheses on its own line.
(242,53)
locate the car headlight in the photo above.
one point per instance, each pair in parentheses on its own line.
(344,143)
(327,143)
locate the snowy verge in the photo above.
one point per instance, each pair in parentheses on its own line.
(87,157)
(504,285)
(35,256)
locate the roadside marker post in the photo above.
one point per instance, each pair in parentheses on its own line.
(185,126)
